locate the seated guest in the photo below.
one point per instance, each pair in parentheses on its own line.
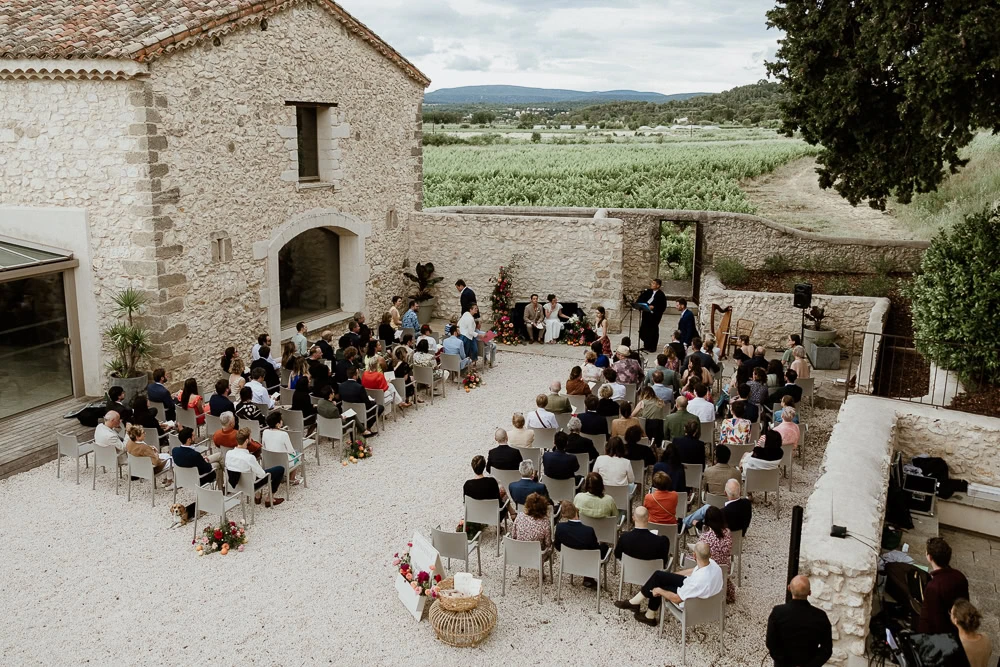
(410,318)
(386,332)
(453,345)
(135,445)
(236,376)
(189,399)
(791,342)
(240,461)
(967,620)
(557,403)
(750,411)
(352,391)
(628,369)
(662,391)
(689,447)
(700,406)
(790,389)
(661,501)
(116,402)
(302,402)
(364,332)
(557,462)
(694,375)
(540,417)
(673,425)
(225,438)
(327,405)
(106,434)
(527,485)
(947,585)
(617,388)
(427,334)
(275,439)
(613,466)
(424,357)
(503,456)
(220,401)
(271,377)
(716,476)
(289,352)
(640,543)
(481,487)
(670,463)
(735,430)
(775,372)
(246,409)
(143,416)
(374,378)
(574,534)
(786,402)
(651,408)
(576,443)
(227,359)
(591,421)
(402,370)
(351,338)
(606,406)
(801,363)
(325,346)
(534,328)
(757,360)
(258,390)
(720,544)
(788,429)
(186,456)
(737,511)
(532,524)
(704,581)
(347,361)
(601,360)
(799,633)
(519,436)
(675,348)
(302,367)
(592,502)
(766,455)
(744,350)
(624,421)
(375,350)
(758,388)
(590,372)
(634,451)
(668,377)
(576,385)
(157,392)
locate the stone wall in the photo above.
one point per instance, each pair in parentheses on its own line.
(851,491)
(577,259)
(968,443)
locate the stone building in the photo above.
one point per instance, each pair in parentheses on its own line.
(247,164)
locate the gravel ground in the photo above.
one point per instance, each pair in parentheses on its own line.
(315,584)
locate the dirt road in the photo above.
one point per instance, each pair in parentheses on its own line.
(791,195)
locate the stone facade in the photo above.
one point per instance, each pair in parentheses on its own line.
(577,259)
(968,443)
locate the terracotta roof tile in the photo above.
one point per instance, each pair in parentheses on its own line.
(146,29)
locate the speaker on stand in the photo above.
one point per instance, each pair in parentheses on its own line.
(802,299)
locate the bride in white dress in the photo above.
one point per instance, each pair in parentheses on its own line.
(553,319)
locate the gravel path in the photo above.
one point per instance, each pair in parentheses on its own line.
(88,577)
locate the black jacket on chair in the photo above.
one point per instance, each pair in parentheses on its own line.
(559,465)
(593,423)
(642,544)
(503,457)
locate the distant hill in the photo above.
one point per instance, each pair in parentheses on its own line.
(524,95)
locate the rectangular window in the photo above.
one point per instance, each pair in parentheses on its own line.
(308,143)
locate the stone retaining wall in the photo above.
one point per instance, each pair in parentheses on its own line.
(969,443)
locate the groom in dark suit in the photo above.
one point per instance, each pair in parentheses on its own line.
(465,295)
(649,326)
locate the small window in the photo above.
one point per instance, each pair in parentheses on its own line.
(308,143)
(222,247)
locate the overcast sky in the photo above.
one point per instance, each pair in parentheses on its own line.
(666,46)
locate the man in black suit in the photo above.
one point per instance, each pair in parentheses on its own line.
(351,338)
(364,332)
(576,443)
(271,378)
(573,534)
(649,323)
(640,543)
(790,389)
(466,296)
(559,464)
(707,360)
(738,511)
(677,346)
(503,456)
(220,401)
(689,447)
(351,391)
(592,423)
(757,360)
(750,411)
(186,456)
(157,392)
(797,632)
(116,398)
(524,487)
(324,345)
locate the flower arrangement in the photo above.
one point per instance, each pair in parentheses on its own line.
(576,330)
(356,450)
(423,582)
(471,381)
(500,302)
(225,537)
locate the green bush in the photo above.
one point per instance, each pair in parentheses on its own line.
(732,272)
(676,252)
(536,137)
(777,264)
(883,265)
(956,298)
(837,286)
(436,139)
(879,285)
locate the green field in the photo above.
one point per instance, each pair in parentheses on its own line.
(686,175)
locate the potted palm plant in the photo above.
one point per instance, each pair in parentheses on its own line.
(820,340)
(424,279)
(131,343)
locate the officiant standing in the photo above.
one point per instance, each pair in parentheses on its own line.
(649,327)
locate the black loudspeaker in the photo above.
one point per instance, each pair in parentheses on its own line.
(803,295)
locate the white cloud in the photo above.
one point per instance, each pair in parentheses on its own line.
(667,46)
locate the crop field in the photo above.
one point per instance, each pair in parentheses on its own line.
(692,175)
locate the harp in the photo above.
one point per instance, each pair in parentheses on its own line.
(722,331)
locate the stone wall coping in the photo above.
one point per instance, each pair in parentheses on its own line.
(680,215)
(71,68)
(710,281)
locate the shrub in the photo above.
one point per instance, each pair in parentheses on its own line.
(883,265)
(777,264)
(536,137)
(879,285)
(732,272)
(956,298)
(837,286)
(436,139)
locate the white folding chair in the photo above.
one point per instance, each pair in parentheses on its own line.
(286,374)
(754,433)
(254,426)
(186,478)
(482,353)
(153,437)
(670,530)
(637,572)
(715,500)
(622,496)
(212,424)
(270,459)
(578,402)
(486,512)
(808,389)
(532,454)
(107,457)
(606,529)
(457,545)
(142,467)
(363,412)
(69,446)
(301,444)
(697,611)
(707,433)
(600,441)
(766,481)
(293,420)
(562,418)
(584,460)
(264,408)
(545,438)
(630,390)
(639,473)
(609,420)
(335,429)
(505,477)
(213,501)
(453,364)
(786,463)
(803,432)
(379,397)
(401,386)
(424,376)
(692,477)
(737,554)
(245,489)
(586,563)
(408,330)
(314,399)
(286,396)
(736,453)
(524,553)
(560,489)
(187,418)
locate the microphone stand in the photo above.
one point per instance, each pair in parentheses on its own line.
(627,302)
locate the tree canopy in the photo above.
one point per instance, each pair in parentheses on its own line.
(891,89)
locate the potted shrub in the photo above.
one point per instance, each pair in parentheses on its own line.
(820,341)
(424,279)
(131,343)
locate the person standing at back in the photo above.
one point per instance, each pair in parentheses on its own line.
(945,587)
(799,634)
(465,295)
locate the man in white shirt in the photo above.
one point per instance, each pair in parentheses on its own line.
(301,343)
(467,330)
(699,407)
(256,385)
(704,581)
(239,461)
(106,434)
(540,417)
(617,388)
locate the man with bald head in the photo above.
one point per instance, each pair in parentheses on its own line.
(640,542)
(503,456)
(797,632)
(558,404)
(673,425)
(703,581)
(106,434)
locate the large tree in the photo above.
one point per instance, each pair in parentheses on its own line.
(891,89)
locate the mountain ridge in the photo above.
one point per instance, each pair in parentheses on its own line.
(503,94)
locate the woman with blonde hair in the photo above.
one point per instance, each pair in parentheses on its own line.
(801,363)
(591,372)
(135,444)
(374,378)
(236,379)
(519,436)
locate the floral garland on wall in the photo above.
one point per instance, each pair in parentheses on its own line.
(501,301)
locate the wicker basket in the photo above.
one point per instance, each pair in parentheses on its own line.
(455,602)
(466,628)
